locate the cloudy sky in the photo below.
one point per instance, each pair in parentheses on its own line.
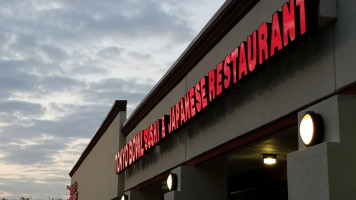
(62,65)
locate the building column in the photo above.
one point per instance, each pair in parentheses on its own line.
(198,183)
(326,171)
(122,142)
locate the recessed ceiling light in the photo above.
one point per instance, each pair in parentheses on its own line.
(269,159)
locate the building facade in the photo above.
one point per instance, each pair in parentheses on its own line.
(236,95)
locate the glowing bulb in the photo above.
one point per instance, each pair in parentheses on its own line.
(269,161)
(307,129)
(171,181)
(124,197)
(311,128)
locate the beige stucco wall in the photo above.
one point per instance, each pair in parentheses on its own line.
(96,175)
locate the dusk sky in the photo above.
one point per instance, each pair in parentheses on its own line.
(62,65)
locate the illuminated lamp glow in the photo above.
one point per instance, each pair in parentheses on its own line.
(124,197)
(311,128)
(172,181)
(269,159)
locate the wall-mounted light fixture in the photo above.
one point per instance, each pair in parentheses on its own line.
(172,181)
(124,197)
(311,128)
(269,159)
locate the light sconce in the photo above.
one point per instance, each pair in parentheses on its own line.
(124,197)
(172,182)
(311,128)
(269,159)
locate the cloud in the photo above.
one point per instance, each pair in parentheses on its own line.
(126,19)
(64,63)
(12,78)
(31,154)
(109,52)
(20,107)
(48,84)
(41,180)
(77,124)
(53,53)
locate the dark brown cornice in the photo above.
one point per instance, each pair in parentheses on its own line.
(222,22)
(119,105)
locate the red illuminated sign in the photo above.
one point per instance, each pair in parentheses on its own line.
(73,191)
(297,19)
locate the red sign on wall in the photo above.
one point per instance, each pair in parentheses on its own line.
(73,191)
(296,20)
